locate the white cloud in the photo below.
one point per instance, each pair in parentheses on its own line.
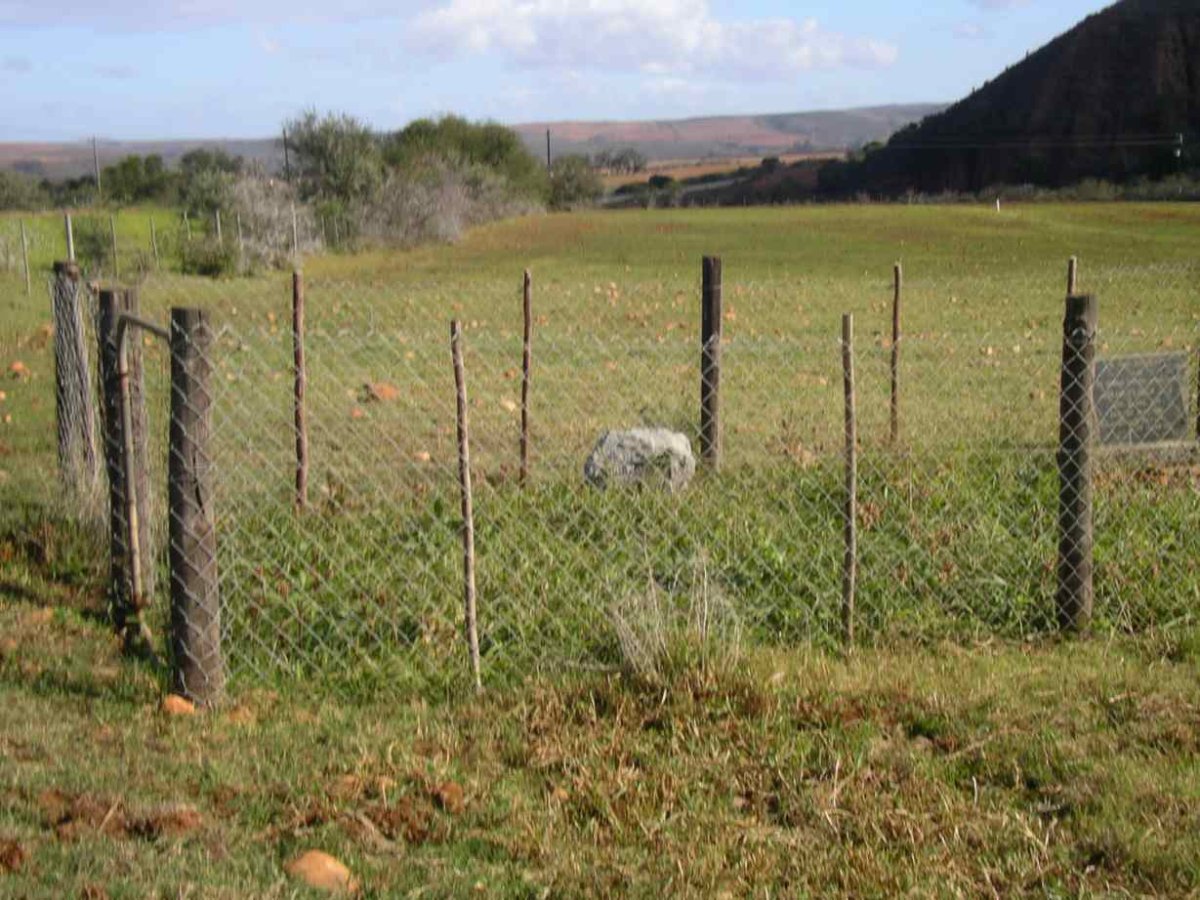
(667,38)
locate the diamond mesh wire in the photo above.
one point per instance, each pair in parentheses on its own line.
(958,518)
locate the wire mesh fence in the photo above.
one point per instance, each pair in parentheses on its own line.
(342,562)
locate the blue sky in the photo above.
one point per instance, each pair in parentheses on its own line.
(133,69)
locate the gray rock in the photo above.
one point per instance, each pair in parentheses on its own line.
(641,455)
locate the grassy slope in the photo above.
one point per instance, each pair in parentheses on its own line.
(1003,768)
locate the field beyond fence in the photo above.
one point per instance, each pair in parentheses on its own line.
(355,579)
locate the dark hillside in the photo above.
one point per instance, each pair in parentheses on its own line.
(1107,99)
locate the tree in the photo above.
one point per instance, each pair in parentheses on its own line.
(335,157)
(573,183)
(18,191)
(206,180)
(136,178)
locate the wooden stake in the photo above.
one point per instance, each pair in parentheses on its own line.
(70,237)
(526,362)
(154,241)
(112,230)
(301,385)
(1072,276)
(850,566)
(217,217)
(468,515)
(25,260)
(898,282)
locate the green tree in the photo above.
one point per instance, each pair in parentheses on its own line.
(135,179)
(19,191)
(335,157)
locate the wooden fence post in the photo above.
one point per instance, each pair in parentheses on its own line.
(1076,427)
(295,237)
(25,260)
(220,238)
(112,230)
(154,241)
(74,401)
(198,667)
(70,237)
(710,362)
(526,364)
(850,565)
(468,514)
(898,284)
(1072,276)
(300,374)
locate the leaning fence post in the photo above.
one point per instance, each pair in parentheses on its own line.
(468,514)
(850,563)
(526,363)
(198,668)
(1076,426)
(73,384)
(154,241)
(25,260)
(898,284)
(300,388)
(126,461)
(710,362)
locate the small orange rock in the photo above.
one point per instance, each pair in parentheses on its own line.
(357,413)
(175,705)
(18,369)
(321,871)
(422,457)
(380,392)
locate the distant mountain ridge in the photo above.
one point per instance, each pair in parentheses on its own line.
(1114,97)
(714,136)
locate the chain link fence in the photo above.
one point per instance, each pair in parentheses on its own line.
(334,499)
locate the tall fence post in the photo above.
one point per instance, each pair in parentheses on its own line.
(710,362)
(74,403)
(154,241)
(123,404)
(1076,427)
(25,260)
(220,237)
(526,364)
(198,667)
(300,388)
(468,513)
(850,563)
(1072,276)
(898,285)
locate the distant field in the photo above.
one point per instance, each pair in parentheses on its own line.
(681,169)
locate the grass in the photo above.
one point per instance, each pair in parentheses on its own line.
(960,750)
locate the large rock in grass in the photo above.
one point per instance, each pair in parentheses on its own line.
(641,456)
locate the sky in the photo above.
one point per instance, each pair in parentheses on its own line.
(146,69)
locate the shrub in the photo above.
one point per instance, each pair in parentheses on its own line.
(208,257)
(265,208)
(573,183)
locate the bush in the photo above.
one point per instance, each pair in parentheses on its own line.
(574,183)
(265,208)
(19,191)
(208,257)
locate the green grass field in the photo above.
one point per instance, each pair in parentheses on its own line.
(962,751)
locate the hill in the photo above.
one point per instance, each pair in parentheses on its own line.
(715,137)
(729,136)
(1107,99)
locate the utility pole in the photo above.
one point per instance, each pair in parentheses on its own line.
(96,164)
(547,148)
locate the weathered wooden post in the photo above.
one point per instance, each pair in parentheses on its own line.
(154,241)
(898,284)
(1072,276)
(850,564)
(198,666)
(25,260)
(710,362)
(526,365)
(1076,428)
(217,218)
(300,375)
(74,402)
(70,231)
(468,514)
(112,230)
(122,383)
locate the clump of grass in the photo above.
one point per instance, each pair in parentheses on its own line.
(686,630)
